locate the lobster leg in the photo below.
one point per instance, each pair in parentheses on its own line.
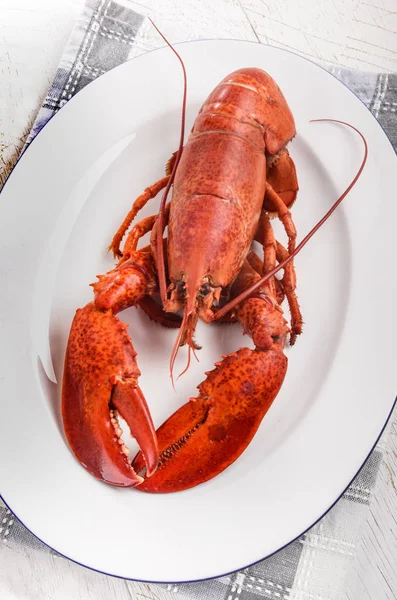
(257,264)
(281,176)
(140,229)
(284,215)
(154,311)
(289,285)
(281,191)
(148,305)
(274,250)
(137,232)
(269,252)
(149,193)
(101,377)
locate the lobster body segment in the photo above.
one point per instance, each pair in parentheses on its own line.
(251,97)
(220,183)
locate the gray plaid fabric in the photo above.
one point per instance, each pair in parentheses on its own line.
(315,566)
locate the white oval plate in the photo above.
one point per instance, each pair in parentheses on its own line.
(59,209)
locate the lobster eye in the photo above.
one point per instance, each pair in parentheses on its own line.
(180,286)
(205,289)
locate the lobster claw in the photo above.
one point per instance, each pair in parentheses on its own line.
(206,435)
(100,381)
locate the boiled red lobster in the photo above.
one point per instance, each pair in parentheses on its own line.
(231,176)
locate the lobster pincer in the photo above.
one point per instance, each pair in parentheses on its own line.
(101,375)
(209,432)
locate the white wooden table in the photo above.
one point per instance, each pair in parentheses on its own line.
(351,33)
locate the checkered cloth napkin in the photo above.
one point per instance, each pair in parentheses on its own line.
(316,566)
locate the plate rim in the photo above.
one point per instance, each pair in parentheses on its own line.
(228,572)
(394,403)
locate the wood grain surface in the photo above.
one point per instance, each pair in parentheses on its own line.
(360,35)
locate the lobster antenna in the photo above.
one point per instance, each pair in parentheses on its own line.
(160,248)
(223,311)
(181,333)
